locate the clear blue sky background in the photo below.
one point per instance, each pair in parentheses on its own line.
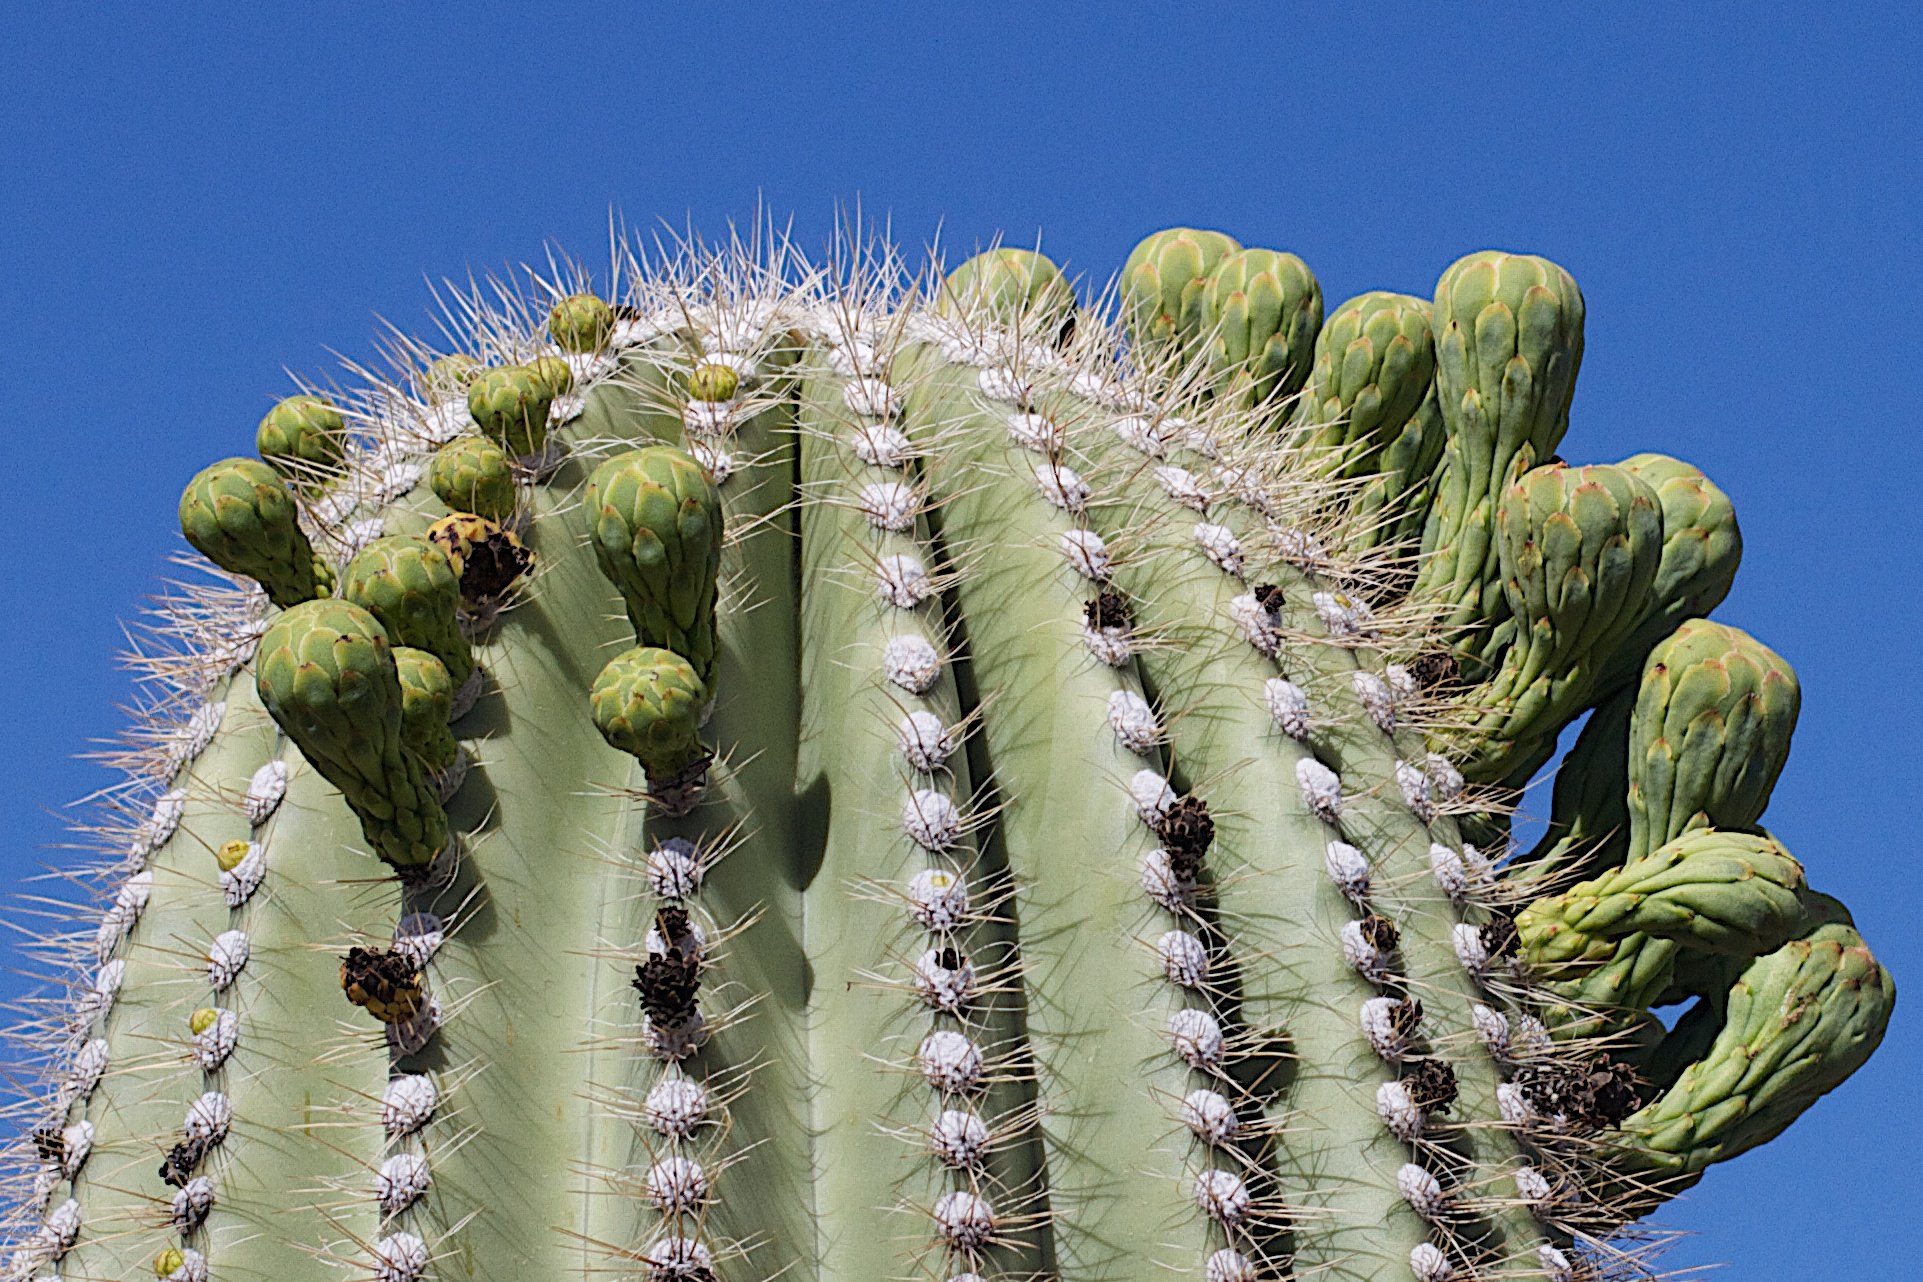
(191,203)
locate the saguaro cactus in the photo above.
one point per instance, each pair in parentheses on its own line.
(789,773)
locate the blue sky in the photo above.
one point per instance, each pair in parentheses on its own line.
(192,202)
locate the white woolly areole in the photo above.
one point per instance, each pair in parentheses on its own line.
(1321,789)
(1088,554)
(1141,434)
(1376,698)
(675,1042)
(589,367)
(932,820)
(880,445)
(888,505)
(1152,795)
(674,869)
(1533,1185)
(1402,682)
(1443,776)
(1036,432)
(1160,883)
(168,809)
(675,1106)
(965,1220)
(1513,1104)
(925,742)
(690,945)
(1429,1264)
(1223,1197)
(1555,1265)
(950,1062)
(400,1257)
(192,1202)
(356,535)
(1133,721)
(1256,624)
(1288,707)
(401,1182)
(716,462)
(1346,618)
(227,958)
(208,1119)
(1414,785)
(418,936)
(1112,646)
(129,902)
(1422,1191)
(1062,486)
(1246,484)
(76,1145)
(1197,1038)
(678,1259)
(944,988)
(238,884)
(99,998)
(1184,960)
(1348,868)
(938,899)
(1181,485)
(61,1230)
(1492,1026)
(408,1104)
(1300,548)
(396,480)
(444,420)
(1194,436)
(1470,950)
(1398,1110)
(902,581)
(1529,1039)
(198,730)
(911,662)
(1229,1265)
(999,383)
(214,1043)
(856,358)
(871,398)
(677,1185)
(1219,544)
(1210,1116)
(958,1139)
(1378,1020)
(88,1066)
(711,420)
(1363,955)
(1446,866)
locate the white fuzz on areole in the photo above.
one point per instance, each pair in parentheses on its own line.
(1194,437)
(1257,625)
(1229,1265)
(1036,432)
(1133,721)
(911,662)
(938,899)
(227,958)
(711,420)
(958,1139)
(925,743)
(1112,646)
(675,1106)
(1288,707)
(98,999)
(238,884)
(881,445)
(716,462)
(208,1119)
(443,421)
(401,1181)
(888,505)
(1348,869)
(1219,545)
(128,903)
(1445,865)
(1376,698)
(1398,1110)
(674,868)
(731,350)
(565,408)
(1529,1038)
(675,1042)
(1088,554)
(1152,795)
(214,1043)
(1300,548)
(45,1180)
(1197,1038)
(236,649)
(198,731)
(902,581)
(60,1231)
(1492,1026)
(1161,884)
(333,508)
(678,1259)
(1184,960)
(408,1103)
(192,1202)
(168,809)
(1062,486)
(1181,485)
(1223,1197)
(356,535)
(999,383)
(1533,1185)
(588,367)
(950,989)
(89,1063)
(1414,785)
(1346,618)
(1555,1265)
(1470,949)
(1321,789)
(400,1257)
(1422,1191)
(1245,484)
(1142,434)
(950,1062)
(1481,873)
(677,1186)
(1379,1019)
(396,481)
(76,1145)
(1210,1116)
(966,1221)
(418,936)
(1430,1264)
(871,398)
(1361,953)
(856,358)
(931,820)
(1513,1104)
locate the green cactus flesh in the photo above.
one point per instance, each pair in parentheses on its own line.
(860,782)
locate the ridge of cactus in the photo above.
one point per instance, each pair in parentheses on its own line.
(842,771)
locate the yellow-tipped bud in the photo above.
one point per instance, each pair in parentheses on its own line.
(713,382)
(231,853)
(169,1262)
(202,1020)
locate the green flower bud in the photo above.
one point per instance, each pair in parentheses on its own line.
(713,382)
(1260,312)
(450,376)
(510,405)
(1014,287)
(413,589)
(654,518)
(427,696)
(238,514)
(581,323)
(472,474)
(647,703)
(230,853)
(304,439)
(553,373)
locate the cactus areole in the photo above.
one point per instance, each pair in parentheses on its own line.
(845,773)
